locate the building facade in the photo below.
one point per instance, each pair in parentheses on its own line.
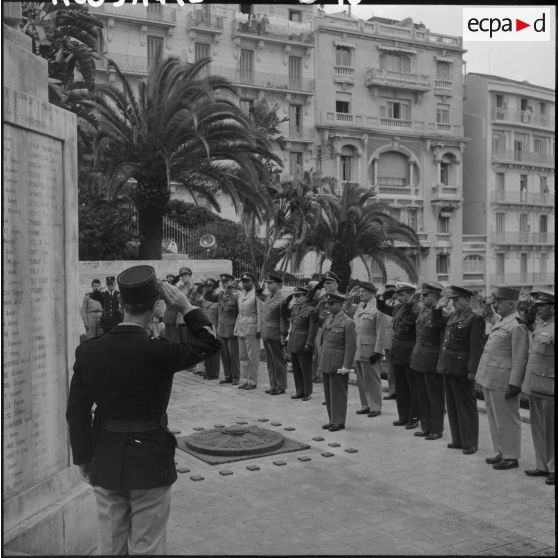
(509,183)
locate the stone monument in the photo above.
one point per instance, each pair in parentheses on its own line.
(47,509)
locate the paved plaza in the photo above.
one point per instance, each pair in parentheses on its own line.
(398,494)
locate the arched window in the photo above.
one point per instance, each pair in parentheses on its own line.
(443,71)
(393,170)
(473,264)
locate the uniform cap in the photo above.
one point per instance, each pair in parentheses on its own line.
(507,293)
(368,286)
(301,290)
(248,276)
(390,286)
(273,278)
(401,286)
(431,287)
(335,297)
(184,270)
(138,284)
(331,276)
(170,276)
(312,284)
(210,279)
(545,297)
(110,280)
(227,277)
(457,291)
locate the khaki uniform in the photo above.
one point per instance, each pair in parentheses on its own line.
(227,307)
(274,327)
(338,347)
(370,326)
(503,363)
(91,313)
(210,306)
(539,386)
(247,329)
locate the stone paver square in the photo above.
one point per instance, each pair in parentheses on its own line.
(327,454)
(197,477)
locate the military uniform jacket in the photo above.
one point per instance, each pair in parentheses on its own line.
(404,329)
(128,376)
(539,376)
(370,326)
(505,354)
(338,342)
(227,307)
(112,314)
(249,319)
(463,342)
(426,351)
(274,325)
(91,305)
(210,306)
(304,326)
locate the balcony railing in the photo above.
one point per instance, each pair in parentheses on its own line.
(276,28)
(344,73)
(128,63)
(526,237)
(474,239)
(521,117)
(528,278)
(304,133)
(394,31)
(396,122)
(516,156)
(523,198)
(405,80)
(204,20)
(152,13)
(443,84)
(265,79)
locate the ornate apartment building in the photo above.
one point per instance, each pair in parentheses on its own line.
(508,183)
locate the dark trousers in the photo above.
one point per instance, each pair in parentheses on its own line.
(230,358)
(463,415)
(429,390)
(405,392)
(336,387)
(276,364)
(212,366)
(302,373)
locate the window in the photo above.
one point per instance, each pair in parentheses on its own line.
(154,49)
(520,144)
(501,105)
(346,167)
(202,50)
(523,226)
(343,56)
(542,264)
(444,173)
(393,170)
(295,120)
(295,72)
(473,264)
(295,15)
(442,264)
(295,163)
(523,268)
(542,110)
(397,110)
(443,71)
(395,212)
(539,146)
(543,225)
(443,224)
(500,222)
(500,266)
(523,187)
(442,114)
(412,218)
(500,186)
(543,184)
(395,62)
(154,9)
(498,142)
(342,106)
(246,65)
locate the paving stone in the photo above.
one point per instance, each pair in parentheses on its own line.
(327,454)
(318,438)
(218,426)
(197,478)
(225,472)
(275,423)
(182,470)
(279,463)
(351,450)
(198,428)
(253,467)
(289,428)
(334,444)
(263,419)
(241,422)
(304,458)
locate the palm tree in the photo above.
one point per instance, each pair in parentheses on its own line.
(183,127)
(359,227)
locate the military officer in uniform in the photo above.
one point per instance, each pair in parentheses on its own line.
(209,304)
(539,386)
(274,334)
(248,329)
(304,322)
(127,454)
(370,326)
(500,373)
(112,313)
(389,292)
(226,320)
(92,310)
(429,385)
(169,316)
(404,335)
(461,350)
(338,340)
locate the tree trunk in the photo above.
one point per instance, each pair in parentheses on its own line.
(341,265)
(151,234)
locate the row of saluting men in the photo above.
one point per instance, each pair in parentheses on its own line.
(127,454)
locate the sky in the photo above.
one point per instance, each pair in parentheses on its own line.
(531,61)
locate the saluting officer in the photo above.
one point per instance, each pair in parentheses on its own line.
(112,313)
(209,305)
(226,320)
(304,323)
(370,326)
(459,357)
(429,385)
(539,386)
(500,373)
(404,335)
(128,455)
(338,347)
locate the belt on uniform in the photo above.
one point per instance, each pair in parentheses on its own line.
(111,425)
(94,311)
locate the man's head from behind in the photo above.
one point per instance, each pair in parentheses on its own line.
(139,291)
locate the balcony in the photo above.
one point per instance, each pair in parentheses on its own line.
(396,32)
(127,63)
(525,117)
(265,80)
(443,87)
(153,14)
(534,278)
(343,74)
(443,240)
(394,188)
(526,237)
(401,80)
(529,157)
(277,30)
(443,193)
(301,133)
(203,21)
(396,123)
(523,198)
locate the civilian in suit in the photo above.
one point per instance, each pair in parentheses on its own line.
(227,305)
(404,336)
(92,310)
(370,326)
(209,304)
(274,334)
(248,329)
(127,454)
(500,373)
(539,386)
(112,313)
(336,358)
(303,319)
(461,351)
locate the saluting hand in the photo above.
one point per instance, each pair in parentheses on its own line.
(443,302)
(175,298)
